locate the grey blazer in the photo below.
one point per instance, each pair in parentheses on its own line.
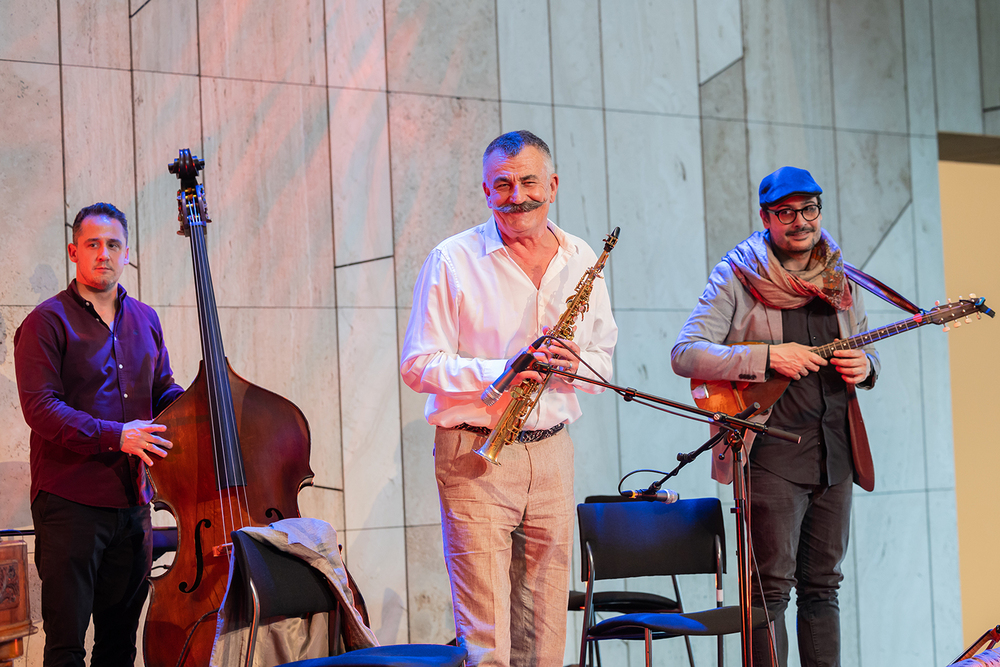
(727,314)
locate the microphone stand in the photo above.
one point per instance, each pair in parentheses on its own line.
(731,428)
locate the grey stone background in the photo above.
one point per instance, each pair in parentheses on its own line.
(342,141)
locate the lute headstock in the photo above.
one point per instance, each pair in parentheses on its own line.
(955,312)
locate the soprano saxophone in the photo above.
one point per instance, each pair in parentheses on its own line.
(525,395)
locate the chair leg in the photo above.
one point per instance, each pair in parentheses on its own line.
(649,648)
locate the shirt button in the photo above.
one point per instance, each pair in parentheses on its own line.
(120,366)
(126,395)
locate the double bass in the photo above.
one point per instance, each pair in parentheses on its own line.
(240,457)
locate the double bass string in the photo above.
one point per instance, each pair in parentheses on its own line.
(230,472)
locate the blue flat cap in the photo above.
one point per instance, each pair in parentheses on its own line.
(786,182)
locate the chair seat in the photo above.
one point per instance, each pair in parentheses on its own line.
(720,621)
(401,655)
(624,602)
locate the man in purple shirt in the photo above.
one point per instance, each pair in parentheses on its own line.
(92,370)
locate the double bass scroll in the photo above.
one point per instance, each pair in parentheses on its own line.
(240,457)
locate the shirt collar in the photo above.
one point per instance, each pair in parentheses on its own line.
(492,241)
(74,291)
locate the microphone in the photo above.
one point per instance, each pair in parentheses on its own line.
(665,496)
(499,386)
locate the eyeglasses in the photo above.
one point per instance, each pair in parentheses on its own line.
(786,216)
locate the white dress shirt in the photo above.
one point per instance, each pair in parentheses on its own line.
(474,308)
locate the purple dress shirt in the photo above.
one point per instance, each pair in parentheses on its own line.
(78,384)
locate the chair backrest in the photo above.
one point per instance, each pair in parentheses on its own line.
(638,539)
(286,585)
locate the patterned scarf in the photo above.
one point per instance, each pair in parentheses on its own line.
(759,270)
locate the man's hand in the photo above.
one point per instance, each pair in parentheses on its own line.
(562,353)
(795,360)
(853,365)
(138,439)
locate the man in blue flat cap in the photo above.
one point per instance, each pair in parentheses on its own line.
(786,287)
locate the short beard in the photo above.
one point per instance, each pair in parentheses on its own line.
(526,207)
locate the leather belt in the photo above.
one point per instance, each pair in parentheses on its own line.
(523,436)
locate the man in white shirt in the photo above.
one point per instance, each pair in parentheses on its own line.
(481,297)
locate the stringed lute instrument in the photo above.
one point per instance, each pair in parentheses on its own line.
(733,396)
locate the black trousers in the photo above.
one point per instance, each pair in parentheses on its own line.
(92,561)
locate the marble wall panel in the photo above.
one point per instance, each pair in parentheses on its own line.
(988,20)
(15,475)
(729,207)
(873,178)
(95,34)
(377,559)
(181,336)
(366,285)
(921,107)
(579,152)
(29,31)
(935,378)
(893,412)
(420,494)
(787,56)
(523,51)
(945,590)
(893,262)
(250,40)
(362,191)
(720,36)
(595,442)
(435,140)
(771,147)
(98,134)
(991,122)
(290,351)
(428,590)
(439,47)
(581,161)
(130,280)
(956,66)
(320,502)
(267,176)
(894,605)
(161,105)
(869,68)
(31,172)
(650,438)
(730,212)
(369,385)
(355,44)
(927,220)
(165,36)
(536,118)
(575,28)
(649,56)
(655,195)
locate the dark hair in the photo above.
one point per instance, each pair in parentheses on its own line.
(512,143)
(100,208)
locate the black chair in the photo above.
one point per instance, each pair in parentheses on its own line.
(640,539)
(280,584)
(629,602)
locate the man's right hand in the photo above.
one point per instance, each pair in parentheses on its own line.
(138,439)
(795,360)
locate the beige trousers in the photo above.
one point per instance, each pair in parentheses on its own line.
(507,541)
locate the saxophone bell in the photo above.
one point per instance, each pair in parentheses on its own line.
(491,448)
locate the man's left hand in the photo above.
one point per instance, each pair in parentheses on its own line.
(853,365)
(562,353)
